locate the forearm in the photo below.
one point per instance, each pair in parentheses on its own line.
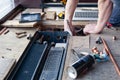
(70,8)
(105,9)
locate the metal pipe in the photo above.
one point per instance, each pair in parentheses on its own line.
(111,56)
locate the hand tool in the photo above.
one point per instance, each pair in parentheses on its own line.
(61,15)
(75,53)
(111,56)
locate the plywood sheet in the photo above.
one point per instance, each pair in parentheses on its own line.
(6,66)
(11,46)
(15,23)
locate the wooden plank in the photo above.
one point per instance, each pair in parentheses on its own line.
(15,23)
(50,15)
(61,22)
(11,46)
(74,42)
(11,49)
(6,66)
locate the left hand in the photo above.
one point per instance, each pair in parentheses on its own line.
(90,28)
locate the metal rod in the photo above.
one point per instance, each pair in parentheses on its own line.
(111,56)
(75,53)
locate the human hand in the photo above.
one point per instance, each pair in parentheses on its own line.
(90,28)
(69,28)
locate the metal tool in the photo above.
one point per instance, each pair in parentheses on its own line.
(111,56)
(76,54)
(61,15)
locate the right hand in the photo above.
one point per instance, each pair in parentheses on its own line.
(69,28)
(91,28)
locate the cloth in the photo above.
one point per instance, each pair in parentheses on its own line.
(116,2)
(115,16)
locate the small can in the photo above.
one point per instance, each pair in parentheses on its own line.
(80,66)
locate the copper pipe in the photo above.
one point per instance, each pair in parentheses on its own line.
(111,56)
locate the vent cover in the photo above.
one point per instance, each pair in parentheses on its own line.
(86,14)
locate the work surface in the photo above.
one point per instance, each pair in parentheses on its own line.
(100,71)
(12,48)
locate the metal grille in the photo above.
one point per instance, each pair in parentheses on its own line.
(52,64)
(85,15)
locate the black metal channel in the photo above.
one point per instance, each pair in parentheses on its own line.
(31,63)
(31,57)
(40,65)
(57,37)
(63,59)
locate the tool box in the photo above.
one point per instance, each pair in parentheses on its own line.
(43,58)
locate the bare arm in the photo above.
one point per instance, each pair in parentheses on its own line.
(70,8)
(105,9)
(69,11)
